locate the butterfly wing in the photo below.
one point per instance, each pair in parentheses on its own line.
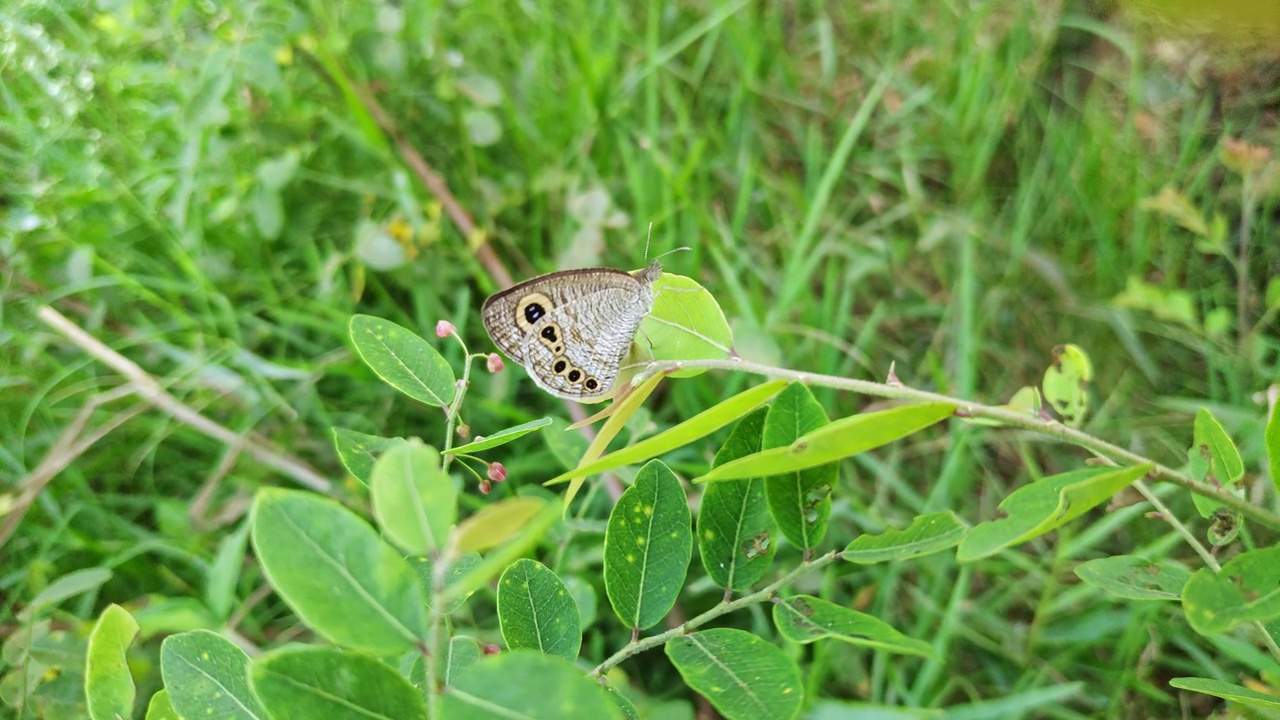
(571,329)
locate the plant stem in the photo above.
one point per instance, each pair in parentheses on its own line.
(639,646)
(967,408)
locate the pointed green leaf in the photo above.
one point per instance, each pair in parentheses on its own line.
(336,573)
(502,437)
(305,683)
(528,685)
(1044,505)
(536,611)
(497,523)
(403,360)
(621,410)
(799,501)
(414,500)
(1135,578)
(1247,589)
(1066,383)
(68,586)
(358,451)
(696,427)
(224,573)
(495,562)
(108,683)
(1228,691)
(927,534)
(647,547)
(735,530)
(1213,458)
(744,677)
(806,619)
(566,444)
(1272,436)
(831,442)
(208,677)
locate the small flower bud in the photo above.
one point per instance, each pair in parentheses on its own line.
(491,649)
(464,431)
(497,473)
(494,363)
(444,329)
(485,487)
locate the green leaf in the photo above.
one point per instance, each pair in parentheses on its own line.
(744,677)
(208,677)
(108,683)
(735,530)
(414,500)
(403,360)
(627,402)
(686,323)
(358,451)
(1135,578)
(502,437)
(1212,458)
(1272,436)
(68,586)
(806,619)
(647,547)
(497,523)
(1044,505)
(584,599)
(566,444)
(834,441)
(159,708)
(1247,590)
(1225,526)
(696,427)
(224,573)
(927,534)
(1066,383)
(799,501)
(1227,691)
(305,683)
(336,573)
(463,653)
(495,562)
(528,685)
(536,611)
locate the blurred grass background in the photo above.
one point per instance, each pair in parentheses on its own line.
(210,190)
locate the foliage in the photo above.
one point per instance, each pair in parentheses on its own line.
(1012,296)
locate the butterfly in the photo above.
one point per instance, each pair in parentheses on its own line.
(571,329)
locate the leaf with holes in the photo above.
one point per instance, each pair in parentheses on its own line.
(403,360)
(1044,505)
(743,676)
(1135,578)
(735,531)
(800,500)
(647,547)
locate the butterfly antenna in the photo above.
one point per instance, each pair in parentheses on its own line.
(647,238)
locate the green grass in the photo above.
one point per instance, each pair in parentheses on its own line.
(952,188)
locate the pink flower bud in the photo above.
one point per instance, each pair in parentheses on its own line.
(485,487)
(494,363)
(464,431)
(491,649)
(444,329)
(497,473)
